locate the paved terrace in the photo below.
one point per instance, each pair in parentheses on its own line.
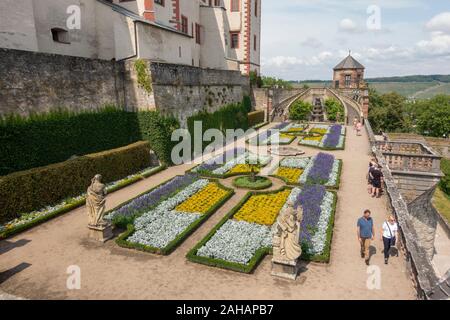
(33,264)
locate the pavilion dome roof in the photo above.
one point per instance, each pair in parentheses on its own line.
(349,63)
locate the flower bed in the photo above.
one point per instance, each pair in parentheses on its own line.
(271,136)
(295,129)
(325,137)
(240,244)
(246,182)
(241,164)
(323,169)
(29,220)
(161,228)
(291,169)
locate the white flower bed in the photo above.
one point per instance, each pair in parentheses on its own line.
(293,126)
(343,130)
(332,180)
(237,241)
(170,204)
(304,175)
(295,162)
(319,239)
(277,139)
(158,227)
(321,126)
(163,228)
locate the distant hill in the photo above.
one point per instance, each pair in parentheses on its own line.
(416,78)
(415,86)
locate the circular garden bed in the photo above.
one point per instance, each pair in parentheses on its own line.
(246,182)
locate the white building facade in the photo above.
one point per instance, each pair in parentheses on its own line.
(216,34)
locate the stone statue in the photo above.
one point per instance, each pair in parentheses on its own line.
(95,202)
(286,240)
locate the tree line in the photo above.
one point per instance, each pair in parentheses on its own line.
(392,112)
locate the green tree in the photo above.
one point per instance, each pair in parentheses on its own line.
(386,112)
(433,116)
(335,110)
(300,110)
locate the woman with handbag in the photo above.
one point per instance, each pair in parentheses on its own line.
(389,236)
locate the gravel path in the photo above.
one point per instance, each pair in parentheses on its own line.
(34,264)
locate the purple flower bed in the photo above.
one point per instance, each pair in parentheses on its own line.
(311,199)
(154,197)
(321,169)
(333,137)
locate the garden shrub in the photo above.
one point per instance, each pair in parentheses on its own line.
(300,110)
(255,117)
(43,139)
(25,191)
(335,110)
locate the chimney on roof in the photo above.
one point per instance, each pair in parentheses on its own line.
(149,10)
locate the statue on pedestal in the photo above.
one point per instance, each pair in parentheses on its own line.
(95,201)
(286,242)
(99,229)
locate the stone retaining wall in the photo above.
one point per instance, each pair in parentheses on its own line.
(36,82)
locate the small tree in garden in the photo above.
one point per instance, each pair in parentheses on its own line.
(300,110)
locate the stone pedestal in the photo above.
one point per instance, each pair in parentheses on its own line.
(285,269)
(100,233)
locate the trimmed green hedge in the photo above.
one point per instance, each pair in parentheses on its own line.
(255,118)
(232,116)
(43,139)
(25,191)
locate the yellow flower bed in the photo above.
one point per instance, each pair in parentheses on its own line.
(319,131)
(312,138)
(244,168)
(262,208)
(290,174)
(203,200)
(285,135)
(296,130)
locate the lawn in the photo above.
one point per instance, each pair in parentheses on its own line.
(442,203)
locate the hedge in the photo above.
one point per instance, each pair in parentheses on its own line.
(25,191)
(43,139)
(255,118)
(232,116)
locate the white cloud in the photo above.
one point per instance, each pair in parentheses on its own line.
(312,43)
(440,22)
(287,61)
(348,25)
(439,44)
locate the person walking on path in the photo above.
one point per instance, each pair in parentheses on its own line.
(355,122)
(389,236)
(358,128)
(376,176)
(366,233)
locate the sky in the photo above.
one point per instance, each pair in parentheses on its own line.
(305,39)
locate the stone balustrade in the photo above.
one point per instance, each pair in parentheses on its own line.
(407,156)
